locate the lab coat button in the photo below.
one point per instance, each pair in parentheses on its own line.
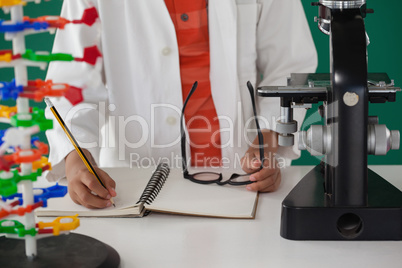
(166,51)
(184,17)
(171,120)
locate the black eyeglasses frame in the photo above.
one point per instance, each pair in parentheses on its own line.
(218,181)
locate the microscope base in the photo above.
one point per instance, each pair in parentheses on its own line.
(307,216)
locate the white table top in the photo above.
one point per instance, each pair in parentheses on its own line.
(162,240)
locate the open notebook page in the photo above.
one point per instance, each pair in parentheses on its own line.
(178,195)
(129,187)
(182,196)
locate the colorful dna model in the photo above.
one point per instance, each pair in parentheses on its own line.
(22,155)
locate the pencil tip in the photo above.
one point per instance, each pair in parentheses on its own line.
(112,201)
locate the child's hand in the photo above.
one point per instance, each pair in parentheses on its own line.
(269,177)
(83,187)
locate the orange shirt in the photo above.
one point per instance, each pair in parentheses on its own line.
(190,18)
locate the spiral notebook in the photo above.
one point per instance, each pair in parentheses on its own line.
(142,190)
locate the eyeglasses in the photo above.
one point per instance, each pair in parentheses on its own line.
(214,177)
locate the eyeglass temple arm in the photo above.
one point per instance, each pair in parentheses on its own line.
(182,133)
(259,133)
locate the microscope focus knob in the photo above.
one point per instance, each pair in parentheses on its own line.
(286,127)
(395,139)
(316,140)
(286,140)
(380,139)
(285,130)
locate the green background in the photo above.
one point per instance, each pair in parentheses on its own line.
(383,28)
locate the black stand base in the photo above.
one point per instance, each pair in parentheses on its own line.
(306,214)
(72,250)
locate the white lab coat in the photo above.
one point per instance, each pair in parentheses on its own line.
(139,97)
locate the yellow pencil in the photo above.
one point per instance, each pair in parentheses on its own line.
(75,143)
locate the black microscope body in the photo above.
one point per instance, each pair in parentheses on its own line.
(340,199)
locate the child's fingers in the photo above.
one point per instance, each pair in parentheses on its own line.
(250,162)
(108,181)
(91,182)
(265,184)
(80,194)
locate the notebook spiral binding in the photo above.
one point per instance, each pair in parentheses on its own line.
(155,184)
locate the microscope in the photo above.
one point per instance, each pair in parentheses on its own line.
(340,199)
